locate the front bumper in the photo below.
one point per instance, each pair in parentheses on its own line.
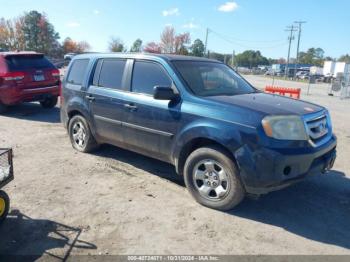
(264,170)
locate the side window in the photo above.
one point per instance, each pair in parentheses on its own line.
(77,71)
(111,74)
(147,75)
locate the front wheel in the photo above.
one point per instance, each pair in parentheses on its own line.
(49,102)
(4,205)
(212,178)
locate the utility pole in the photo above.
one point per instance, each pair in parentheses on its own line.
(206,42)
(290,29)
(232,58)
(299,23)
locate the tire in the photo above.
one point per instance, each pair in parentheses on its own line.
(49,102)
(4,205)
(218,185)
(3,108)
(80,135)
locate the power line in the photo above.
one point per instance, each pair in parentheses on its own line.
(227,39)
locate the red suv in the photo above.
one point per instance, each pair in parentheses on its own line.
(27,77)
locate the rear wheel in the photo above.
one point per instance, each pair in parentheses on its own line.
(3,108)
(49,102)
(80,134)
(212,178)
(4,205)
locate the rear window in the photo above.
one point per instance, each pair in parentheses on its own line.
(111,73)
(20,63)
(77,71)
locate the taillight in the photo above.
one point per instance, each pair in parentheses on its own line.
(55,73)
(13,76)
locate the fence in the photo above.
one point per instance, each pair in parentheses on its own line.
(284,91)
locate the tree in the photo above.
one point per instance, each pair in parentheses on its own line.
(71,46)
(250,58)
(344,58)
(152,47)
(83,46)
(172,43)
(313,56)
(180,42)
(197,48)
(39,33)
(11,34)
(116,45)
(136,46)
(167,39)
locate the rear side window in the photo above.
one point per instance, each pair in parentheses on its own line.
(19,63)
(77,71)
(147,75)
(111,74)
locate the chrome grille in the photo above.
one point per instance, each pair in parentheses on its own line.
(318,128)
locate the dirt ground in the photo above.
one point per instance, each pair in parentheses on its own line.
(119,202)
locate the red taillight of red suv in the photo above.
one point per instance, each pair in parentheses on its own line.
(12,76)
(55,73)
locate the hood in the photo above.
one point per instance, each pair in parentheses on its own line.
(268,104)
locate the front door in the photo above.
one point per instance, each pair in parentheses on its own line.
(150,124)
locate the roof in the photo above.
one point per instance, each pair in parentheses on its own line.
(14,53)
(167,57)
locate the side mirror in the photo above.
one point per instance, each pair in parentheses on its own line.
(164,93)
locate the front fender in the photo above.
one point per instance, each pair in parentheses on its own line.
(229,135)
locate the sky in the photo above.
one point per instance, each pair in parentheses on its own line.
(233,25)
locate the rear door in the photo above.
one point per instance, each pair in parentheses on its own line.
(105,96)
(150,124)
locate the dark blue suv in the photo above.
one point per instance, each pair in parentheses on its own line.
(224,136)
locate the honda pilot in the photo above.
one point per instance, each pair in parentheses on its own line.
(27,77)
(225,137)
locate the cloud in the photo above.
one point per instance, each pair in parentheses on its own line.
(168,25)
(96,12)
(171,11)
(228,7)
(73,24)
(190,25)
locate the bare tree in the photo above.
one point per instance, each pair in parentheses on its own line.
(116,45)
(181,40)
(167,40)
(83,46)
(152,47)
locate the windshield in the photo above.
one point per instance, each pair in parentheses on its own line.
(212,79)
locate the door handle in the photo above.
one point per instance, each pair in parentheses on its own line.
(90,98)
(130,106)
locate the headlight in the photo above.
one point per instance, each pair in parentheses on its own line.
(285,127)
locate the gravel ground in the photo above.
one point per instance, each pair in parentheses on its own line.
(119,202)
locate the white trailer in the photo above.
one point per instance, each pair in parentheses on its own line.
(328,68)
(332,69)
